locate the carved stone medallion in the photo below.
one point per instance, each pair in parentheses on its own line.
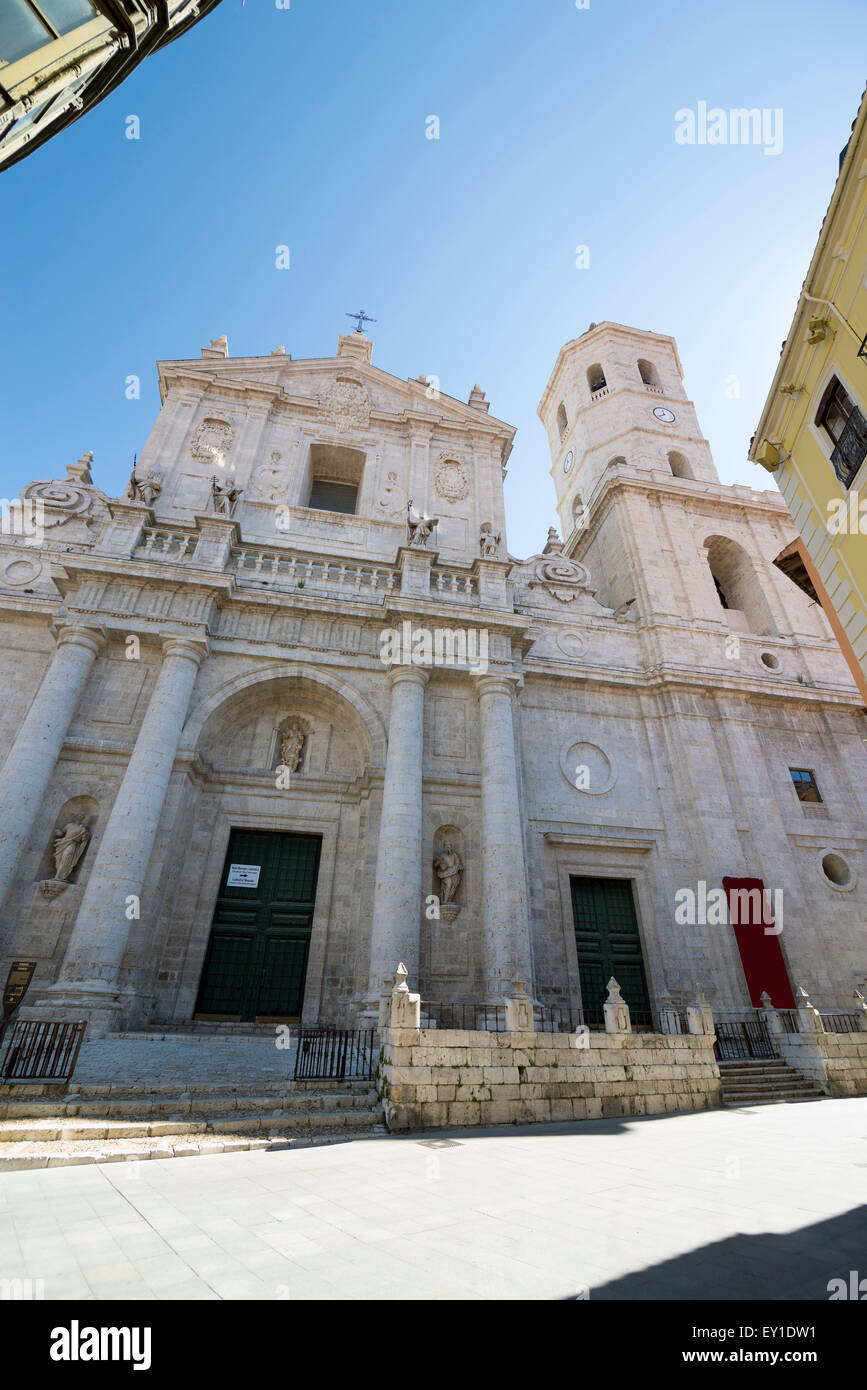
(451,479)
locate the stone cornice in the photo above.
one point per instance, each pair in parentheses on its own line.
(662,678)
(601,837)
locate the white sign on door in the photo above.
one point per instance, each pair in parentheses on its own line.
(243,876)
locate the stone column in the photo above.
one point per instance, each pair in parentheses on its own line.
(88,979)
(30,763)
(397,898)
(505,922)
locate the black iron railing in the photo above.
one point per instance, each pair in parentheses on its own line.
(742,1039)
(840,1023)
(336,1054)
(557,1018)
(474,1018)
(42,1052)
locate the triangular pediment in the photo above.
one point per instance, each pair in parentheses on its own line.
(333,383)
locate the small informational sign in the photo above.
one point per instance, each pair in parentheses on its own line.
(243,876)
(17,981)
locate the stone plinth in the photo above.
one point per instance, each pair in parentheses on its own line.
(438,1078)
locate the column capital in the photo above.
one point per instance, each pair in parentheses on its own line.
(417,675)
(80,635)
(193,648)
(496,685)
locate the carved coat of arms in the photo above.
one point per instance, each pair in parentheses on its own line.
(451,479)
(346,404)
(212,440)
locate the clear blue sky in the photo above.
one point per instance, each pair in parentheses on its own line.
(306,127)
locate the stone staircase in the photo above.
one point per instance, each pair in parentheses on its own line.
(138,1096)
(763,1080)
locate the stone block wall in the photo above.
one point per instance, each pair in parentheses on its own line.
(438,1078)
(837,1062)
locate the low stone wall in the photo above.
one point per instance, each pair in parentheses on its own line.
(837,1062)
(433,1078)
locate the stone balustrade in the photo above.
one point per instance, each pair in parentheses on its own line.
(451,584)
(357,582)
(161,544)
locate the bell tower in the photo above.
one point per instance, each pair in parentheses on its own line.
(616,397)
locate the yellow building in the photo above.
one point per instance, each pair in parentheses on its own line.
(60,57)
(813,432)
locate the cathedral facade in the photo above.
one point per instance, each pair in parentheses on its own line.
(288,712)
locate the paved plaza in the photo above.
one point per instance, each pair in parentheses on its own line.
(755,1203)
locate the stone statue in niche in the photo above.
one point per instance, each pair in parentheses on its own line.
(146,489)
(70,842)
(489,541)
(292,747)
(69,845)
(224,496)
(449,869)
(419,528)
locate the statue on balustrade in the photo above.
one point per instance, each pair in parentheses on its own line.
(144,489)
(224,496)
(419,527)
(489,541)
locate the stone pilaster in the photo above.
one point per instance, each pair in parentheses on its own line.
(88,981)
(28,769)
(505,922)
(397,899)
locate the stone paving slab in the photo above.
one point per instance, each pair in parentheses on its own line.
(761,1203)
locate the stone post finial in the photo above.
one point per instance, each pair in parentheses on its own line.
(616,1010)
(405,1008)
(519,1010)
(767,1002)
(808,1015)
(699,1016)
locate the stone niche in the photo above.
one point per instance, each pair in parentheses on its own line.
(245,735)
(54,902)
(447,935)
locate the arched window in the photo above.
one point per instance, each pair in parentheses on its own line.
(649,374)
(562,420)
(596,378)
(737,586)
(679,465)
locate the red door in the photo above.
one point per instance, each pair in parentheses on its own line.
(759,944)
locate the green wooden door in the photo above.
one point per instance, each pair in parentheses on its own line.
(257,956)
(606,935)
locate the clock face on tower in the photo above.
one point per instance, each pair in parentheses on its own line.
(666,416)
(568,461)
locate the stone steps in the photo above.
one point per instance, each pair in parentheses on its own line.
(190,1104)
(50,1130)
(52,1126)
(763,1082)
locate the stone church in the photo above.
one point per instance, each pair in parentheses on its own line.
(289,712)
